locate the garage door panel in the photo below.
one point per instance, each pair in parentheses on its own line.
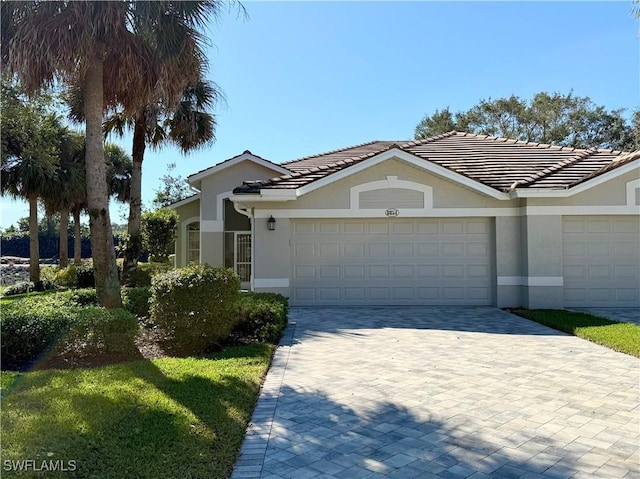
(624,225)
(354,228)
(601,261)
(449,227)
(453,249)
(599,226)
(439,261)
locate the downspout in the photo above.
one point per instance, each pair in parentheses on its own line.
(249,213)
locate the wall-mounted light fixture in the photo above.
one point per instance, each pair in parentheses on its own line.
(271,223)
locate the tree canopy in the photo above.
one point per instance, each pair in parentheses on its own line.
(107,49)
(556,119)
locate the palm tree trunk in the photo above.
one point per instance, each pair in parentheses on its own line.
(77,238)
(34,244)
(64,238)
(103,251)
(132,252)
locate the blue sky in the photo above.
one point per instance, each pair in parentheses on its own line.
(305,77)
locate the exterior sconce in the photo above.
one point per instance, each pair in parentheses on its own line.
(271,223)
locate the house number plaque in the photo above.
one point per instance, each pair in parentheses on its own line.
(392,212)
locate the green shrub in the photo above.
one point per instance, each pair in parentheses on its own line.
(143,274)
(49,273)
(136,301)
(82,297)
(85,277)
(262,317)
(158,228)
(30,328)
(100,330)
(66,276)
(195,306)
(28,286)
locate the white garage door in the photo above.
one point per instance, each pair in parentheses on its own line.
(601,261)
(392,261)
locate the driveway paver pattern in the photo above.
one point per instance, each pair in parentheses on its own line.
(440,392)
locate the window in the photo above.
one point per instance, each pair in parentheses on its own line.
(193,242)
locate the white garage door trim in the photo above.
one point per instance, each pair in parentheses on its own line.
(392,261)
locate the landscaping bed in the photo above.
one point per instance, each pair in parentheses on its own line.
(622,337)
(163,387)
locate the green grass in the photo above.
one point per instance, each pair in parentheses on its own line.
(170,417)
(623,337)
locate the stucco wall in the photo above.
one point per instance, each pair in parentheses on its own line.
(186,213)
(446,194)
(227,180)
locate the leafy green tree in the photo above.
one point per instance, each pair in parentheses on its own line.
(556,119)
(174,188)
(159,233)
(109,50)
(29,134)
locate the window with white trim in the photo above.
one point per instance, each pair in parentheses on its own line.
(193,242)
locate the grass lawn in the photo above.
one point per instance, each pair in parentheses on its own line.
(623,337)
(169,417)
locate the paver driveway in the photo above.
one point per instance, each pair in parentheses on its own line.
(441,393)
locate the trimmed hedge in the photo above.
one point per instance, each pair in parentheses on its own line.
(30,329)
(100,330)
(143,274)
(136,301)
(195,306)
(28,287)
(34,326)
(262,317)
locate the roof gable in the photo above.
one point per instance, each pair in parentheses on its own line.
(196,178)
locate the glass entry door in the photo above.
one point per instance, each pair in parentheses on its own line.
(237,254)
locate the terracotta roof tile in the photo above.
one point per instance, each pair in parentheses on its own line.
(496,162)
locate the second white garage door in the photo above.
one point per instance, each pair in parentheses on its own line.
(601,261)
(392,261)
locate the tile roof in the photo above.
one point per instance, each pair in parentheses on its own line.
(499,163)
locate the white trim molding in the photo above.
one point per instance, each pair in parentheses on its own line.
(185,240)
(530,281)
(211,226)
(581,210)
(380,213)
(391,182)
(565,193)
(271,282)
(632,186)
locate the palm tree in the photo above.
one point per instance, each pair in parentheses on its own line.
(110,50)
(68,184)
(29,152)
(70,196)
(188,125)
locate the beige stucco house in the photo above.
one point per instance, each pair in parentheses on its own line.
(458,219)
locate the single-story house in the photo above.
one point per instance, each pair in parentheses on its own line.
(457,219)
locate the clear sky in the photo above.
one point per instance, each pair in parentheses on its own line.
(305,77)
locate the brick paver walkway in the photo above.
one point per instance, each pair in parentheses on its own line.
(441,393)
